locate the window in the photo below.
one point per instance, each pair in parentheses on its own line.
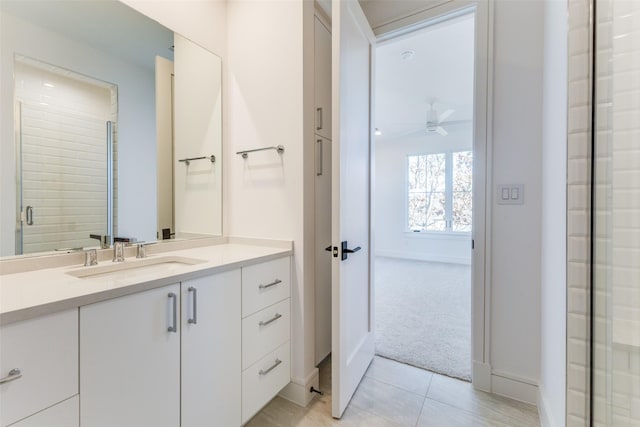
(440,191)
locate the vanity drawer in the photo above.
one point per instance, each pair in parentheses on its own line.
(264,379)
(264,331)
(45,350)
(64,414)
(265,284)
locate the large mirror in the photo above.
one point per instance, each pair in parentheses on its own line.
(110,126)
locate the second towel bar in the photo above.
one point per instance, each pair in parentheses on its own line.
(245,153)
(212,158)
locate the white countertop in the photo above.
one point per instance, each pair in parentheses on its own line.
(34,293)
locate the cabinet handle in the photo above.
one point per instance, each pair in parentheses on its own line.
(29,215)
(266,371)
(194,292)
(319,112)
(174,325)
(275,282)
(319,154)
(273,319)
(14,374)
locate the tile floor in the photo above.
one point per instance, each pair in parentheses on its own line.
(395,395)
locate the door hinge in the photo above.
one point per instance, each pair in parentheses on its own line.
(473,244)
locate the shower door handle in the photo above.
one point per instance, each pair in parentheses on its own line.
(29,215)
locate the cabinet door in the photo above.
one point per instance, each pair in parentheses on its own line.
(211,342)
(130,361)
(322,77)
(323,240)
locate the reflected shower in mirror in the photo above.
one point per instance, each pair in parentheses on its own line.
(91,188)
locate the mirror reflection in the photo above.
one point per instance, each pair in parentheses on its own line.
(99,106)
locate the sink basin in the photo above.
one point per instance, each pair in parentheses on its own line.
(160,264)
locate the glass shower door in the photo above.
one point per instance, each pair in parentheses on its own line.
(616,213)
(63,193)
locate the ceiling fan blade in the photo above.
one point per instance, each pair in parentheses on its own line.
(442,117)
(441,131)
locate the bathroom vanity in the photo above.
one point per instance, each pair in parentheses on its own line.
(177,338)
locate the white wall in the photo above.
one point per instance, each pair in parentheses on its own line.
(551,397)
(515,237)
(136,118)
(265,194)
(391,196)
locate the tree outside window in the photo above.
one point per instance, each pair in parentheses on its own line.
(440,191)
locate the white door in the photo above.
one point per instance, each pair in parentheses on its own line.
(352,308)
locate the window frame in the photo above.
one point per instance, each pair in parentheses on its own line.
(448,191)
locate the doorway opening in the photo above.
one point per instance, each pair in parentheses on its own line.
(424,145)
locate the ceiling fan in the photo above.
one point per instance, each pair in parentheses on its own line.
(435,120)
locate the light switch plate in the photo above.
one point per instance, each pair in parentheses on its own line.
(510,194)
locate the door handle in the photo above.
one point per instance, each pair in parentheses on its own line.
(346,251)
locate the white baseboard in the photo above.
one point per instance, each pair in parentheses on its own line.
(481,376)
(298,390)
(514,387)
(424,257)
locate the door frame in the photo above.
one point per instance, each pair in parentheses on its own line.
(482,164)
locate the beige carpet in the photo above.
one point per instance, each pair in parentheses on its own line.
(423,315)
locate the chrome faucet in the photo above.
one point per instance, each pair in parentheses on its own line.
(118,251)
(104,239)
(90,257)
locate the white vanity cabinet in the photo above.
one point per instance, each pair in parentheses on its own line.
(130,361)
(164,357)
(266,333)
(39,369)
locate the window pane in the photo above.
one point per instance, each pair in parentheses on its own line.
(462,191)
(435,217)
(462,171)
(417,212)
(461,211)
(435,170)
(416,173)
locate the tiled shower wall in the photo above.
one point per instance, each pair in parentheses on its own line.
(617,258)
(578,212)
(616,364)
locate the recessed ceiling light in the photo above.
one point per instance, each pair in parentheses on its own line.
(378,132)
(48,84)
(407,55)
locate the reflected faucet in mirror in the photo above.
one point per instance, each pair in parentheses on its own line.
(105,240)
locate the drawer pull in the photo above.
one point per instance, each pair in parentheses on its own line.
(275,364)
(14,374)
(275,282)
(273,319)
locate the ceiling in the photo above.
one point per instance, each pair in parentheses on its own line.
(383,12)
(439,71)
